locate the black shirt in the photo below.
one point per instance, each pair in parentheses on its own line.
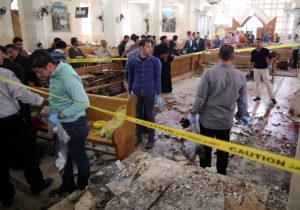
(259,58)
(143,58)
(121,48)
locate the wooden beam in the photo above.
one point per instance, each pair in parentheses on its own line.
(97,87)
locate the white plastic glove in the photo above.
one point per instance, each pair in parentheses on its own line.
(160,102)
(192,119)
(270,67)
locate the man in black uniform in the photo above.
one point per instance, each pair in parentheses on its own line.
(163,53)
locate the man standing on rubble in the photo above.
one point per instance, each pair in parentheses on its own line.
(220,89)
(65,82)
(144,82)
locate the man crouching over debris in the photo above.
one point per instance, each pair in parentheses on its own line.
(220,88)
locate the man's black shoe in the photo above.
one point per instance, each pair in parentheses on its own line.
(62,190)
(150,144)
(274,101)
(47,183)
(184,123)
(256,99)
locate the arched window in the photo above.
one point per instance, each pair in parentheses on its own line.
(14,5)
(252,24)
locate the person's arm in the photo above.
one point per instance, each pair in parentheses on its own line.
(242,101)
(202,93)
(270,58)
(22,94)
(130,75)
(157,77)
(251,61)
(82,54)
(76,92)
(72,53)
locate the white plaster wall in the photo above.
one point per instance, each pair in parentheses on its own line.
(6,29)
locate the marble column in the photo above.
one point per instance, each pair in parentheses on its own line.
(112,28)
(155,17)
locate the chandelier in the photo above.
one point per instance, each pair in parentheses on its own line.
(213,2)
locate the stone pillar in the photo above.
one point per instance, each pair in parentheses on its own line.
(187,17)
(112,29)
(155,17)
(6,29)
(294,201)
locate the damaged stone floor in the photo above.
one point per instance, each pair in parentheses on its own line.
(270,129)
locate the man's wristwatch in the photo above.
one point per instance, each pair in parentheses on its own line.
(60,115)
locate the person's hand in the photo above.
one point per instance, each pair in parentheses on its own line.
(270,67)
(192,119)
(129,96)
(160,103)
(53,119)
(244,121)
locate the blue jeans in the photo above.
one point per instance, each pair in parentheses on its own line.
(78,131)
(145,104)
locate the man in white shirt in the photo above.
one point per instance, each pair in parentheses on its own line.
(104,51)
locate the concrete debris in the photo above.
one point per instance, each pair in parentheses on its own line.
(85,202)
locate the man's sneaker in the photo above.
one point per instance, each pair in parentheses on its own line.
(150,144)
(274,101)
(47,183)
(61,191)
(256,99)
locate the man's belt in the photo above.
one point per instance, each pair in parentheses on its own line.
(10,117)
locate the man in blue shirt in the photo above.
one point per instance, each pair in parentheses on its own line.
(144,82)
(65,82)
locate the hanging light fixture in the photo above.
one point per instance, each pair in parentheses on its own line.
(213,2)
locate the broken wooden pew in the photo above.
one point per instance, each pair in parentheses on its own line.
(123,139)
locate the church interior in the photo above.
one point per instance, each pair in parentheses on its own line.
(149,104)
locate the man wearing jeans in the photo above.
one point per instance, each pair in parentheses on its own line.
(65,82)
(259,58)
(220,89)
(144,82)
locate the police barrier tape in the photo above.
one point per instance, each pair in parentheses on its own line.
(268,158)
(97,60)
(93,60)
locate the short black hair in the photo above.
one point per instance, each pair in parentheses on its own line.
(144,41)
(57,39)
(126,36)
(226,52)
(143,36)
(39,44)
(175,37)
(135,38)
(61,45)
(2,49)
(73,40)
(17,39)
(149,36)
(132,36)
(40,59)
(11,46)
(163,37)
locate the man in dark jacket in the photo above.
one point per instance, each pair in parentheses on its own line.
(198,43)
(144,82)
(59,54)
(18,70)
(14,55)
(75,52)
(173,45)
(189,45)
(162,52)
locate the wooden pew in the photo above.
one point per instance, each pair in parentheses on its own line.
(123,139)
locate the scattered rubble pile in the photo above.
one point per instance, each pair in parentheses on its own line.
(143,181)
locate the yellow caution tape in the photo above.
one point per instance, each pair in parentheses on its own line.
(98,60)
(93,60)
(268,158)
